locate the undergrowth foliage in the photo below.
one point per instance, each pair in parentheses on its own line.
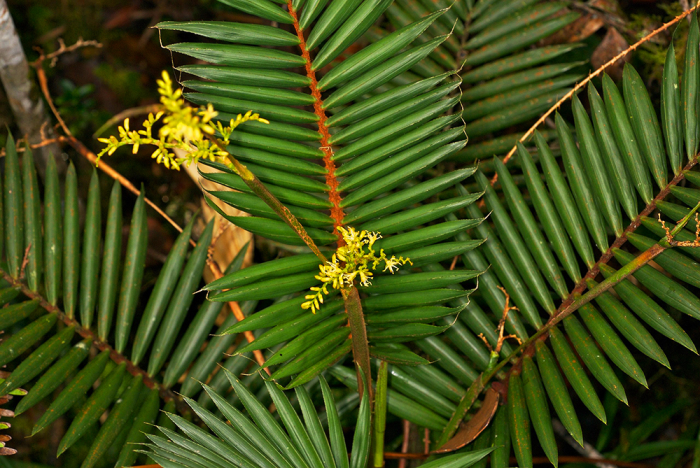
(594,209)
(75,327)
(338,156)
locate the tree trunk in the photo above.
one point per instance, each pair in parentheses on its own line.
(27,107)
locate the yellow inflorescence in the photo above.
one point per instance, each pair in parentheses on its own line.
(183,127)
(351,262)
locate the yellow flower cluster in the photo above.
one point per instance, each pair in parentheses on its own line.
(183,127)
(351,262)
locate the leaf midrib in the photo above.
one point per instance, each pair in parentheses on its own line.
(331,180)
(165,393)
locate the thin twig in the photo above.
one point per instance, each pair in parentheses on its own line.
(404,444)
(353,306)
(63,49)
(41,144)
(25,261)
(674,243)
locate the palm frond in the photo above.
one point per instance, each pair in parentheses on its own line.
(72,318)
(507,77)
(588,229)
(258,440)
(342,150)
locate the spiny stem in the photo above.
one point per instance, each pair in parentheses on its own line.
(353,307)
(331,180)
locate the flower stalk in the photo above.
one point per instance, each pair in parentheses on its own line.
(193,131)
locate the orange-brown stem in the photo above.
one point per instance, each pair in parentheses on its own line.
(353,306)
(331,180)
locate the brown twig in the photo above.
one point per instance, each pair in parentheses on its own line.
(353,306)
(62,49)
(41,144)
(25,261)
(404,444)
(583,83)
(502,323)
(674,243)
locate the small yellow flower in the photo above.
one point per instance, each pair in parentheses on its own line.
(183,127)
(350,262)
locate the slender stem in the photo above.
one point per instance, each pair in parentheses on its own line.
(380,414)
(282,211)
(358,335)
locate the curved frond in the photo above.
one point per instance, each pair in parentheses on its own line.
(77,327)
(259,440)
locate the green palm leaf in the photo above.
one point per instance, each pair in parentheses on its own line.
(506,80)
(260,441)
(344,147)
(596,209)
(51,327)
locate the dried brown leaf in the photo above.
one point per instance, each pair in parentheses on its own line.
(612,44)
